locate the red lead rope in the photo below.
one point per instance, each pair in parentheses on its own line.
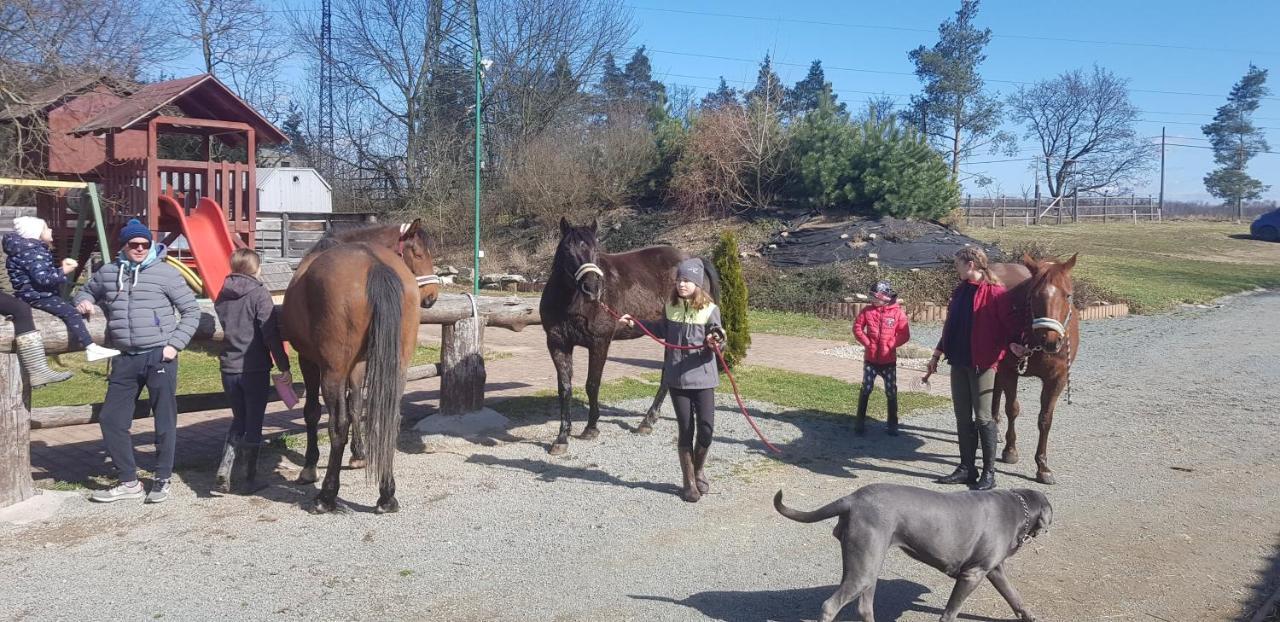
(723,365)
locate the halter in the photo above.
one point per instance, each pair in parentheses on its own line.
(1053,325)
(424,280)
(587,268)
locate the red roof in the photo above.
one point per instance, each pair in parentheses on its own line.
(202,97)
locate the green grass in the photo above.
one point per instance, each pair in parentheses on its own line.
(1155,267)
(197,373)
(799,325)
(798,391)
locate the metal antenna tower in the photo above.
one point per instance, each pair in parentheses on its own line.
(325,122)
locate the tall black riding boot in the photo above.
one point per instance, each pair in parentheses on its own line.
(966,473)
(222,482)
(699,475)
(860,421)
(249,453)
(689,489)
(987,432)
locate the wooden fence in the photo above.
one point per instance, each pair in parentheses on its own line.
(931,313)
(1005,211)
(461,372)
(288,235)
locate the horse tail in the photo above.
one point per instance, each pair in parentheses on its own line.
(713,279)
(835,508)
(383,378)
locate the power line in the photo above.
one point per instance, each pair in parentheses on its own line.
(813,22)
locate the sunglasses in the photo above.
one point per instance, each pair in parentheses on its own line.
(138,245)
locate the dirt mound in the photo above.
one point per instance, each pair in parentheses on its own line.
(893,242)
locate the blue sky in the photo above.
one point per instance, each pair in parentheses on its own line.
(1176,47)
(1227,35)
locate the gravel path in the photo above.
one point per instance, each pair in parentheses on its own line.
(1166,509)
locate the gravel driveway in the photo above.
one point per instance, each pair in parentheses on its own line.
(1167,509)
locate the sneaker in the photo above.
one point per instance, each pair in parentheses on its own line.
(96,352)
(159,492)
(119,493)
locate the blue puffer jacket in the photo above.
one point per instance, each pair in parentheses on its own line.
(32,273)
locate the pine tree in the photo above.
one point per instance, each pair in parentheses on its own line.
(723,96)
(638,76)
(733,299)
(899,174)
(768,90)
(822,156)
(1236,140)
(803,97)
(613,83)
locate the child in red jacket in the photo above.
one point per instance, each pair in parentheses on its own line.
(881,329)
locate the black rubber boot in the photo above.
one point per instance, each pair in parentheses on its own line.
(222,483)
(860,420)
(966,473)
(249,453)
(699,475)
(987,433)
(893,413)
(689,490)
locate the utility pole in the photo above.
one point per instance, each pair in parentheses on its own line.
(479,76)
(1161,207)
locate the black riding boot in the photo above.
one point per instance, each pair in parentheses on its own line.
(229,450)
(860,422)
(966,473)
(987,433)
(249,453)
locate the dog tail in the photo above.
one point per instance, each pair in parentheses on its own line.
(835,508)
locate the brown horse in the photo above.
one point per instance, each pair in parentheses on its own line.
(1042,296)
(410,241)
(638,282)
(356,345)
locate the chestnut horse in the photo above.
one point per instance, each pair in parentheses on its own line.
(638,282)
(1042,296)
(410,241)
(356,342)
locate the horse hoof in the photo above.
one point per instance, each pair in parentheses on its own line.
(321,506)
(590,434)
(1010,456)
(390,507)
(1046,478)
(558,449)
(307,476)
(356,463)
(643,428)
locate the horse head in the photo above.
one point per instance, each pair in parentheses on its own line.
(1052,300)
(414,250)
(576,256)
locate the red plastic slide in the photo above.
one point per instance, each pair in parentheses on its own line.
(207,236)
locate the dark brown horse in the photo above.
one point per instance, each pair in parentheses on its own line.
(638,282)
(351,314)
(1043,300)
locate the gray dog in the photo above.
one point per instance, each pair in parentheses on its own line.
(967,535)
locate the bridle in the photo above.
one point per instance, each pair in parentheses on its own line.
(422,280)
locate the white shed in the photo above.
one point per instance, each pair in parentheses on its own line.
(290,189)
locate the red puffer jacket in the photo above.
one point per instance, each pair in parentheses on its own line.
(881,330)
(994,326)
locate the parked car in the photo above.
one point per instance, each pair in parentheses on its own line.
(1267,226)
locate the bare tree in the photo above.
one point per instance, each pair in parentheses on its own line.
(1084,123)
(733,160)
(240,44)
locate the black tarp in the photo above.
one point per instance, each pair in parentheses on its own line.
(896,244)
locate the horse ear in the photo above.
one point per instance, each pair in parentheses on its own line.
(1071,263)
(413,229)
(564,226)
(1031,264)
(595,225)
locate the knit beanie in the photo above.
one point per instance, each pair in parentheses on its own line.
(29,226)
(134,229)
(691,270)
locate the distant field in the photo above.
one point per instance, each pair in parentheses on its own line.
(1156,266)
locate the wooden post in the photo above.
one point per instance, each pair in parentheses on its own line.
(15,433)
(462,373)
(1135,216)
(1075,207)
(284,236)
(1104,208)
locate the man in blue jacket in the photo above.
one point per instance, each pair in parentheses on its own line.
(139,293)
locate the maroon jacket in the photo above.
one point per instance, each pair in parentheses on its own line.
(994,326)
(881,330)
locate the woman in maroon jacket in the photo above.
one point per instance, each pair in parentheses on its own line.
(978,328)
